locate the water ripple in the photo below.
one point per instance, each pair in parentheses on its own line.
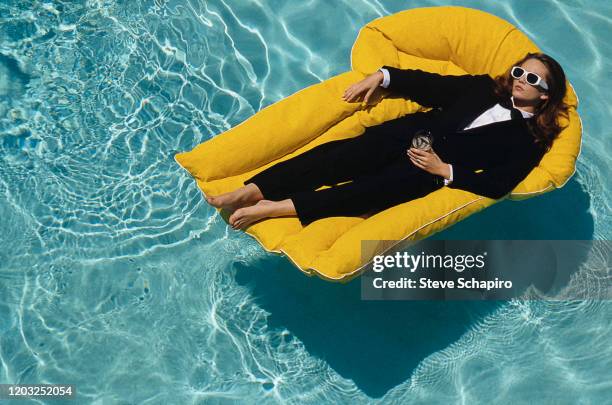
(111,255)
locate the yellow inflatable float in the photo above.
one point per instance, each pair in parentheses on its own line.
(447,40)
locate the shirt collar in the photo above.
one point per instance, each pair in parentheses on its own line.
(525,114)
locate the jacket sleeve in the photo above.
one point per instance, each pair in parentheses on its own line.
(431,89)
(497,181)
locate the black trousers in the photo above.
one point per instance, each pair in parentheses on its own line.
(379,174)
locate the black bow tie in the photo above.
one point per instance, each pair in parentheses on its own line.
(514,112)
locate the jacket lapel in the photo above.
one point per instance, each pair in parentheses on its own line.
(473,111)
(465,112)
(466,109)
(484,127)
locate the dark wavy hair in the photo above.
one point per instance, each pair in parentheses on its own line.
(545,125)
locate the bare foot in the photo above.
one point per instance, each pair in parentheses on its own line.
(245,216)
(242,197)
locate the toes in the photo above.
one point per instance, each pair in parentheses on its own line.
(212,201)
(239,219)
(241,223)
(236,216)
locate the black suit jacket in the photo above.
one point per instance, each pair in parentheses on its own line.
(504,152)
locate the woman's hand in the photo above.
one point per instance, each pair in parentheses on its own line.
(428,161)
(367,86)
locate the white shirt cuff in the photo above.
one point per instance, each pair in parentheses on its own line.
(449,180)
(386,78)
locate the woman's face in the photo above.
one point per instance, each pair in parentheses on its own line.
(521,90)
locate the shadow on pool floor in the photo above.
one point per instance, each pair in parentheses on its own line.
(378,344)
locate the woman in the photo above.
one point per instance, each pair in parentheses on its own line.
(488,135)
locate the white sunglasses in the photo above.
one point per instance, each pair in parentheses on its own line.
(533,79)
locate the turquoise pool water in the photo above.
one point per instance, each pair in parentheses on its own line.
(117,277)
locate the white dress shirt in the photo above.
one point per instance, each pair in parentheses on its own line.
(493,114)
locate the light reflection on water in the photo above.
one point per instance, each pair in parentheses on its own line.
(117,277)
